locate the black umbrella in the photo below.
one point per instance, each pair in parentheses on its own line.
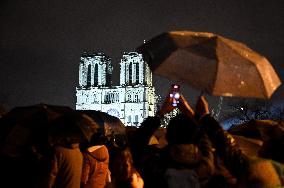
(34,126)
(72,127)
(108,124)
(111,128)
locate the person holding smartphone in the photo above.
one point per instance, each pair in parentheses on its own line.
(187,160)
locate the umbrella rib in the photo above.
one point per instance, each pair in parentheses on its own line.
(247,52)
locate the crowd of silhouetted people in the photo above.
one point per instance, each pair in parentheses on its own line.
(195,152)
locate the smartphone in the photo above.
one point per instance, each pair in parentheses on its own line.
(175,94)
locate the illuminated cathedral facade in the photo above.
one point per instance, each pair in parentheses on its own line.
(131,101)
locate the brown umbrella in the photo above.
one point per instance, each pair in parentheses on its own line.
(211,63)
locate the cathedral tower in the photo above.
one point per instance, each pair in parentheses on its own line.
(95,70)
(132,101)
(134,71)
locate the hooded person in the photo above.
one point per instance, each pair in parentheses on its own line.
(95,172)
(191,160)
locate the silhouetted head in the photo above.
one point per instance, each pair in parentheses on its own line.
(182,130)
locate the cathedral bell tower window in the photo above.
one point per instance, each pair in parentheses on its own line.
(89,79)
(137,73)
(96,75)
(130,73)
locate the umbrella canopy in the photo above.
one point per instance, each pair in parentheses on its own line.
(247,129)
(210,63)
(111,130)
(31,126)
(108,124)
(256,129)
(250,146)
(72,127)
(269,132)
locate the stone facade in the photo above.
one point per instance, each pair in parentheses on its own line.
(132,101)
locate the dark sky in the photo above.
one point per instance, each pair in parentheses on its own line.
(41,41)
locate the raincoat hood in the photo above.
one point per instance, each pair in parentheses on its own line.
(99,152)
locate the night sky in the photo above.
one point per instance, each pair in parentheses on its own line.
(41,41)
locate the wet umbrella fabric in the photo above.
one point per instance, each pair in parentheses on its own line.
(72,128)
(25,127)
(258,129)
(111,128)
(268,132)
(210,63)
(108,124)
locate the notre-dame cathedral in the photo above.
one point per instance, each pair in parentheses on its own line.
(132,101)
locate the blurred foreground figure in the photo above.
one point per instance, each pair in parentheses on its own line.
(200,153)
(190,154)
(96,171)
(66,159)
(251,172)
(187,160)
(40,146)
(66,166)
(125,174)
